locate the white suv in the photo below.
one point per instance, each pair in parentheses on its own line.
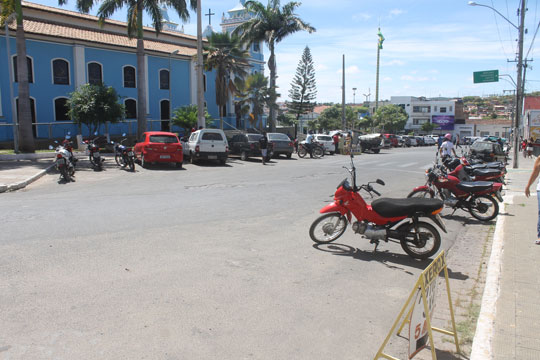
(207,144)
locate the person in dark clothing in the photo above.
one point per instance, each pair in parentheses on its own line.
(263,146)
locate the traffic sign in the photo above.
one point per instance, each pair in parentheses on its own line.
(486,76)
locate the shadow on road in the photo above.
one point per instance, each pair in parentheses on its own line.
(388,259)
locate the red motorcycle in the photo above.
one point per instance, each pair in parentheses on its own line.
(398,220)
(477,197)
(460,168)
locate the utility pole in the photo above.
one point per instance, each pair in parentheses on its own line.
(354,96)
(519,85)
(379,47)
(199,70)
(343,95)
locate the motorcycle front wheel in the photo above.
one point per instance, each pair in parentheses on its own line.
(328,228)
(92,161)
(318,152)
(119,159)
(64,173)
(301,152)
(131,164)
(484,208)
(421,241)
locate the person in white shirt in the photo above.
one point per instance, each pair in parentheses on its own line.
(309,143)
(447,147)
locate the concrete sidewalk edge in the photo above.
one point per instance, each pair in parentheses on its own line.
(23,184)
(483,337)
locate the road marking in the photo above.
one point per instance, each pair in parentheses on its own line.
(407,164)
(384,164)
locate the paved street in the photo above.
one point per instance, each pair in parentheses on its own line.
(204,262)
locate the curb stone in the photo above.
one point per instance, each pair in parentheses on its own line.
(23,184)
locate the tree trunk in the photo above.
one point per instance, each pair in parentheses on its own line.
(141,78)
(26,136)
(272,67)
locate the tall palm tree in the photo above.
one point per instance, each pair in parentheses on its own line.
(135,10)
(271,24)
(24,115)
(258,95)
(224,54)
(241,101)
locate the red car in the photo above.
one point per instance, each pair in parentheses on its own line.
(159,147)
(393,139)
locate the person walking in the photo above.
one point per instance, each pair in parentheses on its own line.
(335,138)
(309,143)
(263,146)
(534,175)
(447,147)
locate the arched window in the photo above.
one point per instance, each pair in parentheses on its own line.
(131,108)
(60,72)
(129,77)
(164,81)
(30,67)
(61,109)
(164,109)
(95,76)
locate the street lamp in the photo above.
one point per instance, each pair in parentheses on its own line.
(14,115)
(353,96)
(170,86)
(519,86)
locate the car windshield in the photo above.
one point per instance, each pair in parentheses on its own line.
(254,137)
(163,139)
(482,146)
(324,138)
(276,136)
(211,136)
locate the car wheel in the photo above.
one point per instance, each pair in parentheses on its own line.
(243,156)
(192,158)
(289,155)
(331,153)
(222,161)
(179,165)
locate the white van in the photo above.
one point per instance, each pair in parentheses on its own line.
(207,144)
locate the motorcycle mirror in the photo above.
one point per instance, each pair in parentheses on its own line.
(95,133)
(50,147)
(112,142)
(69,132)
(380,182)
(68,137)
(123,134)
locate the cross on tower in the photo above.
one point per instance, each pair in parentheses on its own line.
(209,16)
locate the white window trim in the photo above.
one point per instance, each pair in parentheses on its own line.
(159,78)
(69,71)
(88,75)
(13,69)
(123,82)
(54,106)
(126,99)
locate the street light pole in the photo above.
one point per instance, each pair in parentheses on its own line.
(519,85)
(354,96)
(14,115)
(170,86)
(199,67)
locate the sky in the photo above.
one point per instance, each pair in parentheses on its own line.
(431,47)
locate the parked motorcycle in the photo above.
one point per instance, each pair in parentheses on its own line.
(479,198)
(63,163)
(123,155)
(93,154)
(461,168)
(398,220)
(317,150)
(68,145)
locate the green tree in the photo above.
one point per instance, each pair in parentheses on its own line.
(94,105)
(258,95)
(24,114)
(241,102)
(286,119)
(303,87)
(186,117)
(135,10)
(493,115)
(391,118)
(225,55)
(330,118)
(428,127)
(271,24)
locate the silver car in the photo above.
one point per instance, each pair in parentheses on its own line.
(282,144)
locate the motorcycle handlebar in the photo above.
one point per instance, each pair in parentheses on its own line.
(376,192)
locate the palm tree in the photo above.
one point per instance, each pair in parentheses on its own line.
(135,9)
(271,24)
(224,54)
(258,95)
(241,101)
(24,114)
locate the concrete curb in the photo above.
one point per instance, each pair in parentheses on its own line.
(23,184)
(483,337)
(45,155)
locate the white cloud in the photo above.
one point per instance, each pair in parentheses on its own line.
(396,12)
(361,16)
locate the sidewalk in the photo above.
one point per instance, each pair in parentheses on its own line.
(509,323)
(16,174)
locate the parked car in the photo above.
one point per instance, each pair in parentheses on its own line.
(281,144)
(372,142)
(327,142)
(401,140)
(429,141)
(410,140)
(420,140)
(159,147)
(393,139)
(488,151)
(208,144)
(247,145)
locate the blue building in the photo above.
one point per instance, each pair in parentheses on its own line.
(66,49)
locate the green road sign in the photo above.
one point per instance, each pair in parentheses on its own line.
(486,76)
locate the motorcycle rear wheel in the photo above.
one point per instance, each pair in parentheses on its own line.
(422,241)
(131,164)
(328,228)
(318,152)
(484,208)
(64,173)
(301,152)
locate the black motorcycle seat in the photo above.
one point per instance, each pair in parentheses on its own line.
(388,207)
(474,186)
(486,172)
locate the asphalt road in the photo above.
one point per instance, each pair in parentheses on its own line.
(208,262)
